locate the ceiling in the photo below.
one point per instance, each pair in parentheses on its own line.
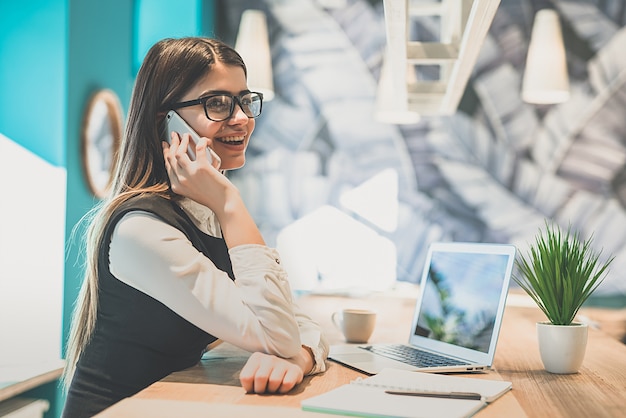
(463,25)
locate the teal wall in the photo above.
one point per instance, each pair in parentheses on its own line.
(157,19)
(54,54)
(33,76)
(99,56)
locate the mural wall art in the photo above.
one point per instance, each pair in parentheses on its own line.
(352,202)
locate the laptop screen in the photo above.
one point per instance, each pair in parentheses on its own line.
(462,297)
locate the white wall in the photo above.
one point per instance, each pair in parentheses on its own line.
(32,236)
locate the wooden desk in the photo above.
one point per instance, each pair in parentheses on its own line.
(597,391)
(17,379)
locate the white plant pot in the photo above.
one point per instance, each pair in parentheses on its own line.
(562,347)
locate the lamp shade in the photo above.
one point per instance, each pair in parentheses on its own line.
(392,104)
(253,45)
(545,77)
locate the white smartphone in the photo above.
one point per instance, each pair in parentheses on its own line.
(174,123)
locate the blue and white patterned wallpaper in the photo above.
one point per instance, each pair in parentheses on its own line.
(492,172)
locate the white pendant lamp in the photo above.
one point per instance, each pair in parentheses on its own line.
(253,45)
(545,77)
(392,102)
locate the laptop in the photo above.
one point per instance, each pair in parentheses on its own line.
(457,316)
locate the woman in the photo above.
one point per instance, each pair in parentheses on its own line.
(174,260)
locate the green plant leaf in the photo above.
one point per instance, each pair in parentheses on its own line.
(559,272)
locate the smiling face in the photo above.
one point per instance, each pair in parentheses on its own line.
(230,137)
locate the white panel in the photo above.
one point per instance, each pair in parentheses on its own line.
(32,236)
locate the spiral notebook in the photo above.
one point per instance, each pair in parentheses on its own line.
(369,397)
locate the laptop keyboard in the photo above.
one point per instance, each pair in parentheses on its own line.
(413,356)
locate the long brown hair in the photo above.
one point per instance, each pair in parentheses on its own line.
(170,69)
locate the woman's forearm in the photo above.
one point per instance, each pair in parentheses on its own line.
(306,360)
(238,227)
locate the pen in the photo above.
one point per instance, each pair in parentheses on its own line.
(449,395)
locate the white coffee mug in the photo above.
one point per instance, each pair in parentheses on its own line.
(356,325)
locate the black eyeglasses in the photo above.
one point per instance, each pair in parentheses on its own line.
(219,107)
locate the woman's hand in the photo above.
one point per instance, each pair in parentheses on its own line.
(201,181)
(265,373)
(198,180)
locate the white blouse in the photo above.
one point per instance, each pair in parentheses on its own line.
(255,312)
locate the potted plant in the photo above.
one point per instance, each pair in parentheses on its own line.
(559,272)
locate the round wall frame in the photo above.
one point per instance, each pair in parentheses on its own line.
(100,139)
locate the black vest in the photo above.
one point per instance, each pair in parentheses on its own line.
(137,340)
